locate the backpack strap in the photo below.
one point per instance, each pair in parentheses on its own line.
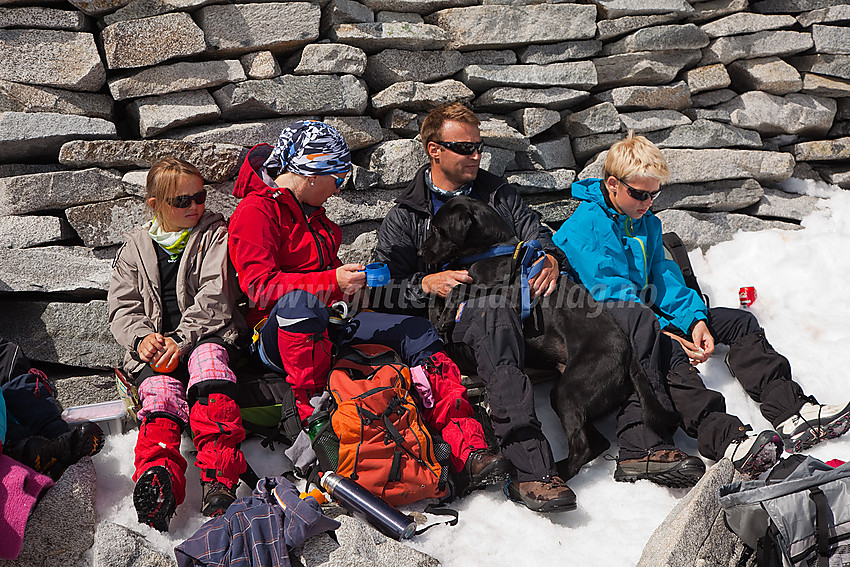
(821,525)
(676,248)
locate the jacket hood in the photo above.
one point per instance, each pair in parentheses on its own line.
(249,179)
(589,190)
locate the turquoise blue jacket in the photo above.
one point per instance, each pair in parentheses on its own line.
(620,259)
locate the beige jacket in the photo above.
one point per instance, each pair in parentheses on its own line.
(207,291)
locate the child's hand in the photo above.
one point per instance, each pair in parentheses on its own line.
(150,346)
(168,357)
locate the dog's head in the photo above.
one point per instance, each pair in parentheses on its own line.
(461,227)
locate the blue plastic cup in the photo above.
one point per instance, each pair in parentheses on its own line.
(377,274)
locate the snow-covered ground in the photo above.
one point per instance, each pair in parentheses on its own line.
(800,278)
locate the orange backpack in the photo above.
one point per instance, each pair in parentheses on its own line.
(382,442)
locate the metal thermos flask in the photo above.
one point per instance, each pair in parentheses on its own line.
(368,507)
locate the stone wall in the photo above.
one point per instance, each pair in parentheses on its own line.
(739,95)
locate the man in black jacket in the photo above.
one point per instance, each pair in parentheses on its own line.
(487,338)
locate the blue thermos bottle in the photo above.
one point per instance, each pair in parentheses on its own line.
(368,507)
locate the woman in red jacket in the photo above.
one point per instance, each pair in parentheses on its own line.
(284,249)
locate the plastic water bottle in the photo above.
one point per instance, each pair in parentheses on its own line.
(368,507)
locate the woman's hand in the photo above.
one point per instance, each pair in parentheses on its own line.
(351,278)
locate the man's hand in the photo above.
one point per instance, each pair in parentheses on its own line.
(544,282)
(702,346)
(442,283)
(351,278)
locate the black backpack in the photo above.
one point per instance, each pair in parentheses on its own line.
(674,249)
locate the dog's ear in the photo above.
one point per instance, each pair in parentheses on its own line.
(438,247)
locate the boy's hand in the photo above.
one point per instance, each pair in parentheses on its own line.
(442,283)
(702,346)
(544,282)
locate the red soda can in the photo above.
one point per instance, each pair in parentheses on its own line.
(747,295)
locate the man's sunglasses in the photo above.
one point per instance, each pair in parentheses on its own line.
(462,148)
(639,195)
(185,201)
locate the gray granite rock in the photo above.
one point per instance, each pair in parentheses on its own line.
(104,224)
(745,22)
(504,99)
(710,10)
(708,78)
(825,86)
(61,528)
(704,230)
(420,97)
(63,59)
(793,6)
(157,114)
(658,38)
(700,166)
(414,6)
(345,12)
(54,269)
(409,17)
(217,162)
(401,122)
(394,65)
(837,176)
(551,153)
(396,161)
(363,179)
(711,197)
(13,169)
(373,37)
(118,546)
(543,54)
(771,75)
(533,121)
(574,74)
(32,230)
(776,204)
(791,114)
(831,39)
(705,134)
(553,208)
(498,133)
(759,44)
(260,65)
(499,27)
(712,98)
(832,65)
(837,13)
(40,135)
(138,43)
(72,389)
(823,150)
(359,242)
(18,97)
(678,539)
(245,134)
(597,119)
(496,160)
(359,131)
(292,94)
(75,334)
(618,8)
(532,182)
(588,146)
(675,96)
(331,58)
(24,194)
(242,28)
(712,114)
(489,57)
(351,207)
(609,29)
(183,76)
(138,9)
(643,68)
(37,17)
(99,7)
(651,120)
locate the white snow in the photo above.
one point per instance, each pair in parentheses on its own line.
(802,302)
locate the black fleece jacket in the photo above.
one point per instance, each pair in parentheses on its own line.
(406,226)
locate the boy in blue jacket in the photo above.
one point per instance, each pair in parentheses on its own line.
(614,244)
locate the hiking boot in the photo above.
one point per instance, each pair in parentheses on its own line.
(813,424)
(85,440)
(42,455)
(154,498)
(754,454)
(483,468)
(551,494)
(217,498)
(665,467)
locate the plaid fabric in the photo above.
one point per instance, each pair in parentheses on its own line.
(209,362)
(163,393)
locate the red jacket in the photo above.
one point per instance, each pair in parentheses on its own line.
(274,246)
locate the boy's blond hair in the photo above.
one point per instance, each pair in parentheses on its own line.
(635,156)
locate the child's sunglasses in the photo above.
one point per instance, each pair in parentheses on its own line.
(462,148)
(185,201)
(639,195)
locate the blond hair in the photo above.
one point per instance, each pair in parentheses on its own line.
(432,126)
(635,156)
(163,179)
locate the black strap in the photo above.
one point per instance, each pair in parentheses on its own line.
(439,509)
(290,421)
(822,524)
(395,468)
(677,250)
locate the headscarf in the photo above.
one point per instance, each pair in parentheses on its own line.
(309,147)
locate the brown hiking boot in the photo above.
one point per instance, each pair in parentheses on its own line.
(217,498)
(666,467)
(550,494)
(483,468)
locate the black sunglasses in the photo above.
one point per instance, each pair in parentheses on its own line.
(639,195)
(462,148)
(185,201)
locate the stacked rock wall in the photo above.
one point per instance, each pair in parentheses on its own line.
(739,95)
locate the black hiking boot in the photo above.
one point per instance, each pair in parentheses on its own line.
(483,468)
(42,455)
(666,467)
(84,440)
(154,499)
(550,494)
(217,498)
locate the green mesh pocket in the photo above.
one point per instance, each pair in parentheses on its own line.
(326,447)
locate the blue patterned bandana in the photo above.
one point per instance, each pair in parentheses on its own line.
(309,147)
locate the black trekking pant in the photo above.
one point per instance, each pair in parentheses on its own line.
(764,374)
(489,339)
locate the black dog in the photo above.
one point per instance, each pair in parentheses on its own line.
(568,330)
